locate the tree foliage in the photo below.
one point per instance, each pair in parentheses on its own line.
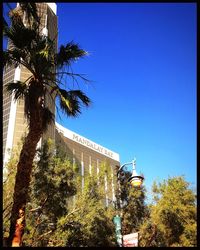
(8,184)
(49,77)
(60,212)
(135,211)
(172,220)
(51,186)
(89,222)
(131,204)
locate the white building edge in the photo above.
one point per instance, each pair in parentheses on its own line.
(86,142)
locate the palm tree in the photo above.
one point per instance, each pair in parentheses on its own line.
(49,71)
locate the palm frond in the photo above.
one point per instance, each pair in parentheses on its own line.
(69,53)
(8,60)
(30,9)
(41,58)
(81,96)
(64,100)
(37,53)
(19,35)
(12,57)
(71,101)
(68,105)
(44,51)
(72,110)
(18,88)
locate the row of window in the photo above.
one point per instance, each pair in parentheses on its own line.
(97,172)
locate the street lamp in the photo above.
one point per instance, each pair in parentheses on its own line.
(136,181)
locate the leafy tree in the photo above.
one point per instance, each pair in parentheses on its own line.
(89,222)
(54,217)
(8,184)
(132,207)
(51,187)
(172,220)
(135,211)
(48,72)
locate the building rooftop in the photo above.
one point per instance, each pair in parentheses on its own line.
(86,142)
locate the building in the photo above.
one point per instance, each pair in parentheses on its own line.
(89,156)
(86,154)
(14,123)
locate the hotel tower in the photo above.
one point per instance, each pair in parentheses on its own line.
(89,157)
(14,123)
(87,154)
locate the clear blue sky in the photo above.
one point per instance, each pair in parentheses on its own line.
(142,65)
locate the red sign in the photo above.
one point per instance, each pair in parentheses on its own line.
(130,240)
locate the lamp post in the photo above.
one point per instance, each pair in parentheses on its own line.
(118,227)
(136,181)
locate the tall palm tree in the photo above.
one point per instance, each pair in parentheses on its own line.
(49,72)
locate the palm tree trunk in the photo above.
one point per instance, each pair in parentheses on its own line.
(22,181)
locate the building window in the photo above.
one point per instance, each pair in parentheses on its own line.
(74,160)
(98,171)
(82,170)
(113,186)
(90,165)
(106,189)
(97,167)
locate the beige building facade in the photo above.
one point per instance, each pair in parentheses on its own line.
(14,122)
(89,156)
